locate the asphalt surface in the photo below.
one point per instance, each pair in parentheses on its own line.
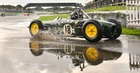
(18,53)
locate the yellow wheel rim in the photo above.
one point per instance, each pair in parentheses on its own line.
(35,47)
(92,54)
(91,30)
(34,28)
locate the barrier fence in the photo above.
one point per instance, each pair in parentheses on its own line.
(133,12)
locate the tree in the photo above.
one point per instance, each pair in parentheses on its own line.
(9,6)
(19,7)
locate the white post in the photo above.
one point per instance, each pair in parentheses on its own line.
(136,15)
(139,15)
(127,11)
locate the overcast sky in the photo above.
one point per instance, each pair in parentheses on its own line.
(24,2)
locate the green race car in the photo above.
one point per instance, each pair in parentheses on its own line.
(92,30)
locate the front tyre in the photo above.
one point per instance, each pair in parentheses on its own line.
(92,31)
(118,30)
(35,27)
(93,56)
(35,48)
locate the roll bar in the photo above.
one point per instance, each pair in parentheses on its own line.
(85,13)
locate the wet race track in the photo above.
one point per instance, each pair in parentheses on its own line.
(20,53)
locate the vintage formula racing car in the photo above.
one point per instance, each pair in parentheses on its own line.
(79,24)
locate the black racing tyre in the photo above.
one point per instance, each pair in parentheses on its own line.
(35,27)
(92,31)
(118,30)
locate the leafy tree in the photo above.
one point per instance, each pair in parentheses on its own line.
(9,6)
(19,6)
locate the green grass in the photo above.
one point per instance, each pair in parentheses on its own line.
(129,31)
(110,8)
(52,17)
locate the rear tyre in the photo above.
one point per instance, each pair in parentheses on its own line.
(92,31)
(35,27)
(118,30)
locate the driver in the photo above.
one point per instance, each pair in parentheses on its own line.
(74,15)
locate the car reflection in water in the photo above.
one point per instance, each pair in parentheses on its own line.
(91,54)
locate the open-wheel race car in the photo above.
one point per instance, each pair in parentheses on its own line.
(92,30)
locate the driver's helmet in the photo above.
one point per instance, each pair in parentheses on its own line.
(74,15)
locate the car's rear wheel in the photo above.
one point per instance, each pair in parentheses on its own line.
(35,27)
(92,31)
(118,29)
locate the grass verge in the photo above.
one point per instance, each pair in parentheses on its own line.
(110,8)
(129,31)
(52,17)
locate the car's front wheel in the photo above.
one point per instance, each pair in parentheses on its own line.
(92,31)
(35,48)
(35,27)
(92,56)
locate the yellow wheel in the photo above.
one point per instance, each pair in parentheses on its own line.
(35,46)
(35,49)
(93,56)
(92,31)
(35,27)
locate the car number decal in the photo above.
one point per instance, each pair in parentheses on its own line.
(67,29)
